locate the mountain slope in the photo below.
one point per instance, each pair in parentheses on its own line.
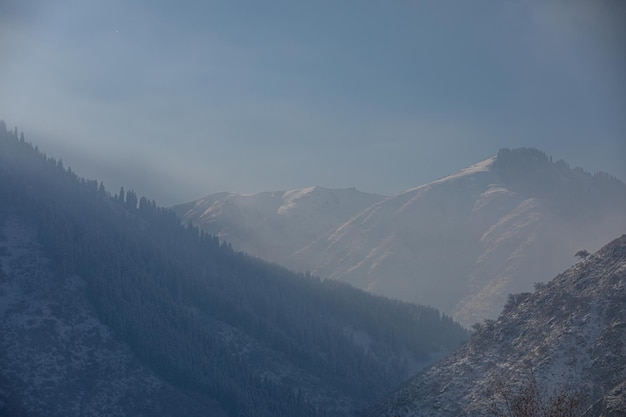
(416,235)
(569,333)
(464,242)
(274,225)
(172,307)
(57,355)
(461,243)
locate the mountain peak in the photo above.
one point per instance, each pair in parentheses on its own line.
(527,153)
(533,164)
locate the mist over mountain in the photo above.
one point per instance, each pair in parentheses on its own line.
(272,225)
(110,307)
(568,335)
(461,243)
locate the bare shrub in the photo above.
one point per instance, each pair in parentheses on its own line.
(528,400)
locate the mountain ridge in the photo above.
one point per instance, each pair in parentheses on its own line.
(257,223)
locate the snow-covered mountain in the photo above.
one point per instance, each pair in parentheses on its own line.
(461,243)
(464,242)
(274,225)
(569,334)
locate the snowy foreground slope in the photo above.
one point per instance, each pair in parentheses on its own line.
(461,243)
(570,333)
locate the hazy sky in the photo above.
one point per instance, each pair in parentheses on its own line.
(179,99)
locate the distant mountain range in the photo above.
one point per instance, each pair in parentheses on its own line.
(461,243)
(568,336)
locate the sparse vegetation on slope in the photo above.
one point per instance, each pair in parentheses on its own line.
(569,334)
(531,400)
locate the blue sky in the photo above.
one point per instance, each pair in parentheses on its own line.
(181,99)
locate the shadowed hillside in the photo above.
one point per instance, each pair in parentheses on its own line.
(113,285)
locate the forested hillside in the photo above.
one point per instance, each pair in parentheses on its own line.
(217,324)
